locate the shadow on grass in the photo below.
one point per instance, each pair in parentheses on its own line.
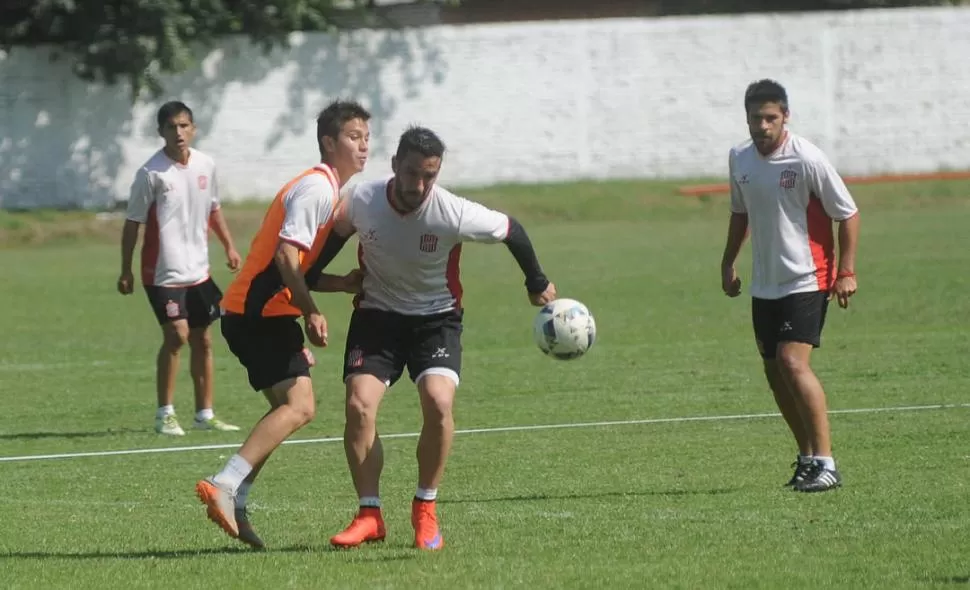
(590,496)
(71,435)
(965,580)
(364,556)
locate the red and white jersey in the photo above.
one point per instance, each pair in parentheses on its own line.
(791,198)
(410,260)
(174,203)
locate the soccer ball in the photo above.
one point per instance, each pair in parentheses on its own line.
(564,329)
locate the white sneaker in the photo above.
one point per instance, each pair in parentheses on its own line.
(168,425)
(220,505)
(215,424)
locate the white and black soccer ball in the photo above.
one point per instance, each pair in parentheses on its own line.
(564,329)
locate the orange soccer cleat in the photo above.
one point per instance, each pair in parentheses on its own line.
(367,527)
(425,523)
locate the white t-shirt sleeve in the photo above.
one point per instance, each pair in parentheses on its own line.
(141,197)
(829,187)
(308,205)
(477,223)
(737,200)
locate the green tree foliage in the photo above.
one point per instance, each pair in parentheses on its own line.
(140,40)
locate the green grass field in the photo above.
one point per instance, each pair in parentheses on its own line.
(688,497)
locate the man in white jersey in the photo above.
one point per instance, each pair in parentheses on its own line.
(176,197)
(787,193)
(409,314)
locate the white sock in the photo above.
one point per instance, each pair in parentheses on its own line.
(203,415)
(163,411)
(826,462)
(233,474)
(242,494)
(370,502)
(426,495)
(805,459)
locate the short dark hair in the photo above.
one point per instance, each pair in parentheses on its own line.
(763,91)
(422,140)
(333,117)
(171,109)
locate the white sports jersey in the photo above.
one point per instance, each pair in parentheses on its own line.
(308,206)
(410,261)
(791,198)
(174,203)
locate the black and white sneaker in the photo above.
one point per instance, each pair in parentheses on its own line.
(819,479)
(801,470)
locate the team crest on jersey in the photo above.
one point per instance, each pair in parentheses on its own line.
(172,309)
(203,182)
(429,243)
(788,179)
(355,357)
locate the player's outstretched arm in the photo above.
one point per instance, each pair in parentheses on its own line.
(352,282)
(316,279)
(541,291)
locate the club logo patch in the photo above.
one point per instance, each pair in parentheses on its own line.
(172,309)
(429,243)
(788,178)
(355,357)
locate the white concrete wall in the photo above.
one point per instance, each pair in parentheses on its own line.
(881,91)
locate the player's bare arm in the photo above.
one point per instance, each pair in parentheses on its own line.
(352,282)
(288,262)
(736,235)
(540,290)
(129,238)
(845,282)
(219,226)
(316,279)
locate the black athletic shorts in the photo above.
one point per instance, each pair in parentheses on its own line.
(271,348)
(199,304)
(382,343)
(799,317)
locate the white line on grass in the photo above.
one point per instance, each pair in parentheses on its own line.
(25,367)
(530,428)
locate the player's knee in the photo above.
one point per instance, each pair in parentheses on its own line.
(438,409)
(200,338)
(175,335)
(437,397)
(305,413)
(360,410)
(791,361)
(303,408)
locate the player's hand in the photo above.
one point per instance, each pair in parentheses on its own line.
(316,329)
(730,282)
(547,296)
(126,283)
(233,259)
(844,288)
(353,281)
